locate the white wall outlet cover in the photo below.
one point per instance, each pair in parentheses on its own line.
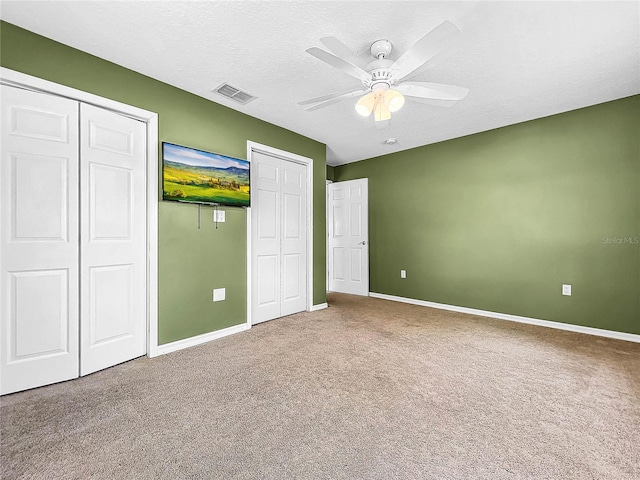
(566,290)
(219,294)
(219,216)
(403,274)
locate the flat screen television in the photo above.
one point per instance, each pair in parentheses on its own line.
(196,176)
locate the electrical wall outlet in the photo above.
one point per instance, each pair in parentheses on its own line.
(219,294)
(219,216)
(566,290)
(403,274)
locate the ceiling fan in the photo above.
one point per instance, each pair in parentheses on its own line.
(384,85)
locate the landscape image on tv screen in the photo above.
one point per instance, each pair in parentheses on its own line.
(191,175)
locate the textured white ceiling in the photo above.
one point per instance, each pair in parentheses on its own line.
(520,60)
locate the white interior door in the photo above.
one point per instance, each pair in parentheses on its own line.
(113,239)
(348,212)
(279,237)
(39,240)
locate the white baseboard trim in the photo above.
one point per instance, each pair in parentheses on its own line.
(200,339)
(630,337)
(320,306)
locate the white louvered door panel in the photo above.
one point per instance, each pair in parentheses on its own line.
(39,240)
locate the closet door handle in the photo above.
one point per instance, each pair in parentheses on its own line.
(364,242)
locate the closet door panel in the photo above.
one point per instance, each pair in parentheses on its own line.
(113,239)
(38,240)
(294,238)
(279,237)
(266,218)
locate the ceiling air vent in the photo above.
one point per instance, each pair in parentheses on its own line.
(234,93)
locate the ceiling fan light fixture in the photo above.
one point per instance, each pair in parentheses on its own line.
(394,100)
(382,112)
(365,105)
(383,80)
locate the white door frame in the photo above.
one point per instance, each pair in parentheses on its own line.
(326,253)
(308,162)
(28,82)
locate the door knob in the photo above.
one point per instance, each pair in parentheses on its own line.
(364,242)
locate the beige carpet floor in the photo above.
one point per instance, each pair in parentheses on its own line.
(366,389)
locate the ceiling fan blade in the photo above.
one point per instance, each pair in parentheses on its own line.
(326,100)
(344,52)
(424,49)
(432,91)
(339,63)
(433,101)
(331,96)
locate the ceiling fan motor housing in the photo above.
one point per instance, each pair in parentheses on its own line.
(380,73)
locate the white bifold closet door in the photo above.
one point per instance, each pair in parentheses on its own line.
(72,239)
(112,239)
(279,237)
(39,247)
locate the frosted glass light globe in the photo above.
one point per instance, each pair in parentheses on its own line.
(395,100)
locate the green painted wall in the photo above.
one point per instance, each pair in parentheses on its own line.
(500,220)
(331,172)
(191,261)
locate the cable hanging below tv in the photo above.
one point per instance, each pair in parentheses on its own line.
(195,176)
(204,204)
